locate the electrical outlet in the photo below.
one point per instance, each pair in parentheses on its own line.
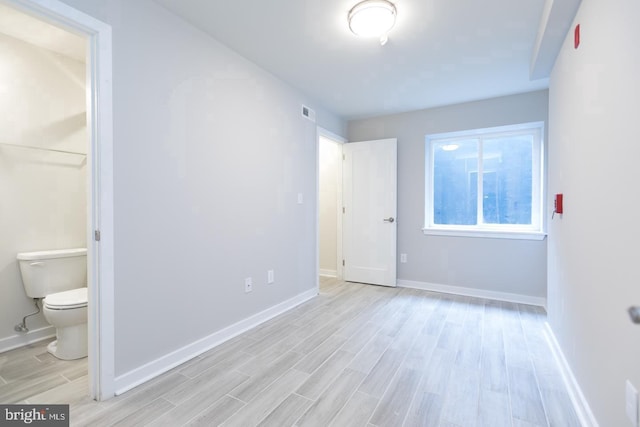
(631,405)
(248,285)
(300,198)
(270,277)
(403,258)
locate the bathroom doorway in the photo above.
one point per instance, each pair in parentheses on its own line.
(329,204)
(91,151)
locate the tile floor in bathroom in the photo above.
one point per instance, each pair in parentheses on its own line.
(31,375)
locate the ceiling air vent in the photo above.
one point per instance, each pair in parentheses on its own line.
(308,113)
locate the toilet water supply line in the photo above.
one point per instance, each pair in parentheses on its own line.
(22,327)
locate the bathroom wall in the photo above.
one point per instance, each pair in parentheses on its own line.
(330,164)
(42,193)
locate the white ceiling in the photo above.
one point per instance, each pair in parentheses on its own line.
(39,33)
(440,52)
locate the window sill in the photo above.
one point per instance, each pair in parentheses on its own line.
(486,234)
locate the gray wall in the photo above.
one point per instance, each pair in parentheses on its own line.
(210,152)
(594,106)
(501,265)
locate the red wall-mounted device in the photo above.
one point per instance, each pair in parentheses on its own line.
(557,202)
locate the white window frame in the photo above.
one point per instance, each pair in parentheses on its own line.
(534,231)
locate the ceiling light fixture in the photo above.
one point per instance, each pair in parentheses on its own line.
(373,18)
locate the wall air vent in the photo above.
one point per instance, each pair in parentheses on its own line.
(308,113)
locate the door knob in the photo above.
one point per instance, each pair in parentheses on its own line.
(390,219)
(634,312)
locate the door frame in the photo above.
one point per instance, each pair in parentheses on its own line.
(100,254)
(321,132)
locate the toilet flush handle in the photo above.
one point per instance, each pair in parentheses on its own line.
(36,264)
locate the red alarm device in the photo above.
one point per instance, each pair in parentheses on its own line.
(558,204)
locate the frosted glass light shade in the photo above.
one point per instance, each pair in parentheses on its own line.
(372,18)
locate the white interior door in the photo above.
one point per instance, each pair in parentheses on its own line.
(369,227)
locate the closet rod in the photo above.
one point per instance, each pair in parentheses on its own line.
(42,149)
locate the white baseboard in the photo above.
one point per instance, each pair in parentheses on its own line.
(328,273)
(169,361)
(471,292)
(580,404)
(16,341)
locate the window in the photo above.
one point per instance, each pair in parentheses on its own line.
(485,182)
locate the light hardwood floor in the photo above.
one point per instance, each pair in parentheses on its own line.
(357,355)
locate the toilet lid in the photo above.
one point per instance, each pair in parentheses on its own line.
(75,298)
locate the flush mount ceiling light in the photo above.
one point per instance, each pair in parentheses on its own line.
(372,18)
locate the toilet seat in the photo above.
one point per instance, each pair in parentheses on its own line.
(67,300)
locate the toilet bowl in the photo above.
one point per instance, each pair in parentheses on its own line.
(67,312)
(59,278)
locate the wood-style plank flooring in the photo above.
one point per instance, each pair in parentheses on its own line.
(357,355)
(31,375)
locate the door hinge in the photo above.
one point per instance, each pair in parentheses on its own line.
(96,235)
(344,157)
(343,263)
(343,209)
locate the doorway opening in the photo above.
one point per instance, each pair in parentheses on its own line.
(97,159)
(329,204)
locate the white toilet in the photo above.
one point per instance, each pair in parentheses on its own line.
(60,277)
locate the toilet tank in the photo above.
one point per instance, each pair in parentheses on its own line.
(48,272)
